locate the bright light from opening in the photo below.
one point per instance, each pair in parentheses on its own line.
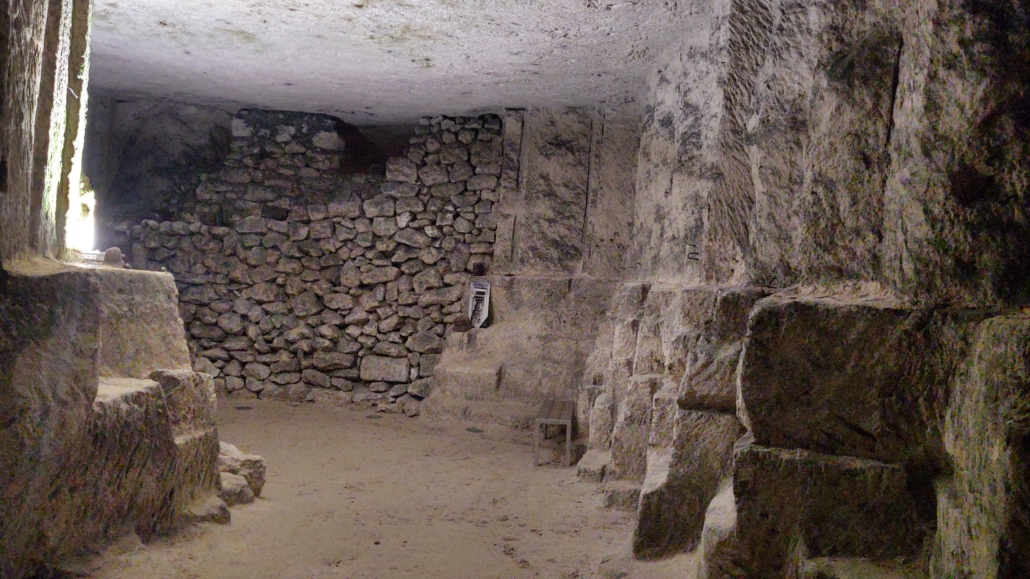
(81,228)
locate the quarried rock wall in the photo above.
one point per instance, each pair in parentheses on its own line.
(842,188)
(106,429)
(808,142)
(563,228)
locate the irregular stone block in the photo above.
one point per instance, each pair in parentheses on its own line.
(316,378)
(480,182)
(384,226)
(379,207)
(199,294)
(384,369)
(389,348)
(331,361)
(306,304)
(412,407)
(235,490)
(433,175)
(422,388)
(401,170)
(249,466)
(212,510)
(380,275)
(427,364)
(262,292)
(441,296)
(338,301)
(425,343)
(345,209)
(412,237)
(399,190)
(328,140)
(252,224)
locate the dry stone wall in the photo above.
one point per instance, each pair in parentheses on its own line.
(298,282)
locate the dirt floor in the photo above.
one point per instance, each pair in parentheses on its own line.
(359,495)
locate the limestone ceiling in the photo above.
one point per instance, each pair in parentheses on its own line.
(376,62)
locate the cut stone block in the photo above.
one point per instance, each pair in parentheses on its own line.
(140,323)
(632,429)
(622,495)
(732,309)
(982,529)
(816,374)
(857,568)
(471,379)
(584,403)
(618,373)
(92,445)
(718,548)
(512,415)
(628,301)
(190,397)
(710,380)
(591,468)
(624,338)
(793,501)
(384,369)
(196,466)
(602,419)
(650,356)
(682,479)
(133,466)
(664,415)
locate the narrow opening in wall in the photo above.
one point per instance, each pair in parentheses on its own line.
(81,227)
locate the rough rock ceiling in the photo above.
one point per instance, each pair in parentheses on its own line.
(376,62)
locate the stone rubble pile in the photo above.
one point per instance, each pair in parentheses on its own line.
(299,283)
(242,475)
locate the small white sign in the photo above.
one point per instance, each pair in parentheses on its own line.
(479,303)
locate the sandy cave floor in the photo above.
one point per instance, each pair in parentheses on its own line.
(393,497)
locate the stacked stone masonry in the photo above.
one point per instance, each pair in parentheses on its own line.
(299,282)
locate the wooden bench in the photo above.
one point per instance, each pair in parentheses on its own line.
(557,413)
